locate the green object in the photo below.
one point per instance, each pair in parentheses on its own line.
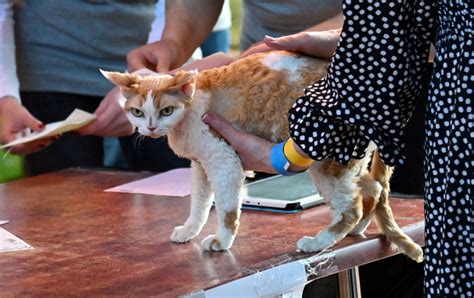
(11,167)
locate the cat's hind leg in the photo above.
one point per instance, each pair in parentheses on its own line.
(201,203)
(383,213)
(226,176)
(370,190)
(336,183)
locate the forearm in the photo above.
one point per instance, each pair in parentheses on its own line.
(332,23)
(188,23)
(9,85)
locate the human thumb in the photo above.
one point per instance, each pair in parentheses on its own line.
(163,65)
(288,43)
(34,123)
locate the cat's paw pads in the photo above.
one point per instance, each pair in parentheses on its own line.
(311,244)
(182,234)
(212,242)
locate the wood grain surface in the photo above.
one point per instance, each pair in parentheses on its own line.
(89,242)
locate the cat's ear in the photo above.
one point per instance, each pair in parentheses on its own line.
(128,83)
(186,82)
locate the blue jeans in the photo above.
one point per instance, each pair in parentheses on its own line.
(218,41)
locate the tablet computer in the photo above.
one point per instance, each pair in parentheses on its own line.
(295,192)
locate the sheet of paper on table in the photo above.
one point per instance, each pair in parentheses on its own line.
(77,119)
(9,242)
(2,222)
(176,183)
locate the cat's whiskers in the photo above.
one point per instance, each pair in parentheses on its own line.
(137,140)
(140,142)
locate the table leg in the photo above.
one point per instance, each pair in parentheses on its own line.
(349,283)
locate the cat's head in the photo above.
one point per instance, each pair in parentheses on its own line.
(155,103)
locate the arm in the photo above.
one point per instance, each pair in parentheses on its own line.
(187,25)
(340,114)
(14,117)
(319,40)
(9,85)
(111,119)
(254,152)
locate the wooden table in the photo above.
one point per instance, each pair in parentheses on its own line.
(88,242)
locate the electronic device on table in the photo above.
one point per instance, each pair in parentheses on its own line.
(282,193)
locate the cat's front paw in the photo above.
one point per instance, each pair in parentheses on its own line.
(212,242)
(312,244)
(182,234)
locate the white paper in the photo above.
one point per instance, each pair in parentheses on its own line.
(172,183)
(75,120)
(287,280)
(9,242)
(2,222)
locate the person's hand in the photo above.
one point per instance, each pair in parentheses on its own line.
(15,119)
(160,56)
(254,152)
(320,44)
(111,119)
(257,47)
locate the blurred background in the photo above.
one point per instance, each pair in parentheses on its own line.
(11,166)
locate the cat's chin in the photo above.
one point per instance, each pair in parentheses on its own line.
(154,135)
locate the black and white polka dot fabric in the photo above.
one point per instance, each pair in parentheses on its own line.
(372,84)
(369,94)
(449,164)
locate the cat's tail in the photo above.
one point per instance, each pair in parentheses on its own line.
(383,213)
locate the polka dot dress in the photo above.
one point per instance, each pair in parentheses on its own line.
(449,213)
(369,95)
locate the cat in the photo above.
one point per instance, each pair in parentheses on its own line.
(254,94)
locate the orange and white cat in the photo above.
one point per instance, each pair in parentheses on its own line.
(254,94)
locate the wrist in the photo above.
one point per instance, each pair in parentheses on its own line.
(177,51)
(288,159)
(8,100)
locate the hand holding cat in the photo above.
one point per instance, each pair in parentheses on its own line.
(254,152)
(111,120)
(15,119)
(321,44)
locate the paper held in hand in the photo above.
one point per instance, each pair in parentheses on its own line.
(77,119)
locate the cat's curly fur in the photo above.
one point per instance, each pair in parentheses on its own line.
(254,95)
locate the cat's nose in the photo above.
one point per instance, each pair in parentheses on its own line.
(151,128)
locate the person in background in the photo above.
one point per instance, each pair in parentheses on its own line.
(58,51)
(185,30)
(219,39)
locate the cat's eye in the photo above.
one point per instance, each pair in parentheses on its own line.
(137,113)
(167,111)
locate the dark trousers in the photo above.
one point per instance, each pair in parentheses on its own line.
(74,150)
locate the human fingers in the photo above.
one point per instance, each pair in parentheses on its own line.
(137,59)
(118,128)
(31,147)
(254,152)
(163,63)
(15,120)
(223,128)
(112,122)
(320,44)
(294,42)
(259,48)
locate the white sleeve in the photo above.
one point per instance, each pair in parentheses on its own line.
(9,84)
(159,22)
(159,25)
